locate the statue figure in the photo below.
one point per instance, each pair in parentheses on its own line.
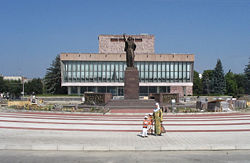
(129,48)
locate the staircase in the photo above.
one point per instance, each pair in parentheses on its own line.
(131,104)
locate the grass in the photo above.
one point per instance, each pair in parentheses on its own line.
(50,95)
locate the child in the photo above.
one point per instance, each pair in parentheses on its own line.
(150,123)
(145,127)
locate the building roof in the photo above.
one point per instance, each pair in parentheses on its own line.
(122,57)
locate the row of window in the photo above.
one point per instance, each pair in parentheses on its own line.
(119,91)
(122,39)
(114,71)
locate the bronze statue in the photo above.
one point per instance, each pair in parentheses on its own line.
(129,48)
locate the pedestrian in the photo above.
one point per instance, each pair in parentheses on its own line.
(145,127)
(150,123)
(157,117)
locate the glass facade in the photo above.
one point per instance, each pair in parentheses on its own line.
(93,71)
(118,90)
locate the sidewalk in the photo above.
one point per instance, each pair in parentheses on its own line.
(42,139)
(120,141)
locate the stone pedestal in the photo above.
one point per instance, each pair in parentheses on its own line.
(165,98)
(131,83)
(97,98)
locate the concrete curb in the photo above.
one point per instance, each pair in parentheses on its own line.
(203,113)
(108,113)
(81,147)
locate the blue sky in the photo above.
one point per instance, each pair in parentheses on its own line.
(33,32)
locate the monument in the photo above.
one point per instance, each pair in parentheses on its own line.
(131,78)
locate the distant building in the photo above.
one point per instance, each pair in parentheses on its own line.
(16,78)
(104,71)
(200,76)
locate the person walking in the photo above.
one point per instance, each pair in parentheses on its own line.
(145,127)
(157,117)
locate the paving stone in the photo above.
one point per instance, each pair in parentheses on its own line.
(223,147)
(243,146)
(18,147)
(2,146)
(148,148)
(70,147)
(44,147)
(95,148)
(122,148)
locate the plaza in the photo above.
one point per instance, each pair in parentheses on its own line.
(118,132)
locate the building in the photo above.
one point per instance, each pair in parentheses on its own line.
(104,71)
(16,78)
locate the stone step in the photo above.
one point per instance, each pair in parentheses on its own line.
(131,104)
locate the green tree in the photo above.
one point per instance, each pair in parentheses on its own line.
(231,84)
(14,87)
(53,78)
(241,82)
(247,77)
(207,80)
(35,85)
(219,83)
(2,85)
(197,88)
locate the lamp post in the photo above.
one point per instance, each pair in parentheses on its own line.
(23,86)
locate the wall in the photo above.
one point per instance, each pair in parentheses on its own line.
(115,44)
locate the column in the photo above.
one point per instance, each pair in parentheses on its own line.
(69,90)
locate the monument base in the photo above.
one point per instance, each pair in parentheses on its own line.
(164,98)
(131,83)
(97,98)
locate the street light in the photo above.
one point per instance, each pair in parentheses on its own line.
(23,86)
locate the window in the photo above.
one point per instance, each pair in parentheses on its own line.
(73,67)
(188,71)
(91,89)
(171,71)
(146,71)
(152,89)
(184,66)
(163,72)
(151,72)
(69,67)
(101,89)
(78,76)
(176,71)
(162,89)
(138,40)
(83,89)
(180,72)
(112,90)
(143,91)
(74,90)
(74,76)
(108,67)
(114,39)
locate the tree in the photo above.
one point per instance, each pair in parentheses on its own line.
(197,88)
(53,78)
(207,80)
(241,82)
(35,85)
(247,77)
(219,83)
(2,85)
(231,84)
(14,87)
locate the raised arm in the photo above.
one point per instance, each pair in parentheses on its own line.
(124,37)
